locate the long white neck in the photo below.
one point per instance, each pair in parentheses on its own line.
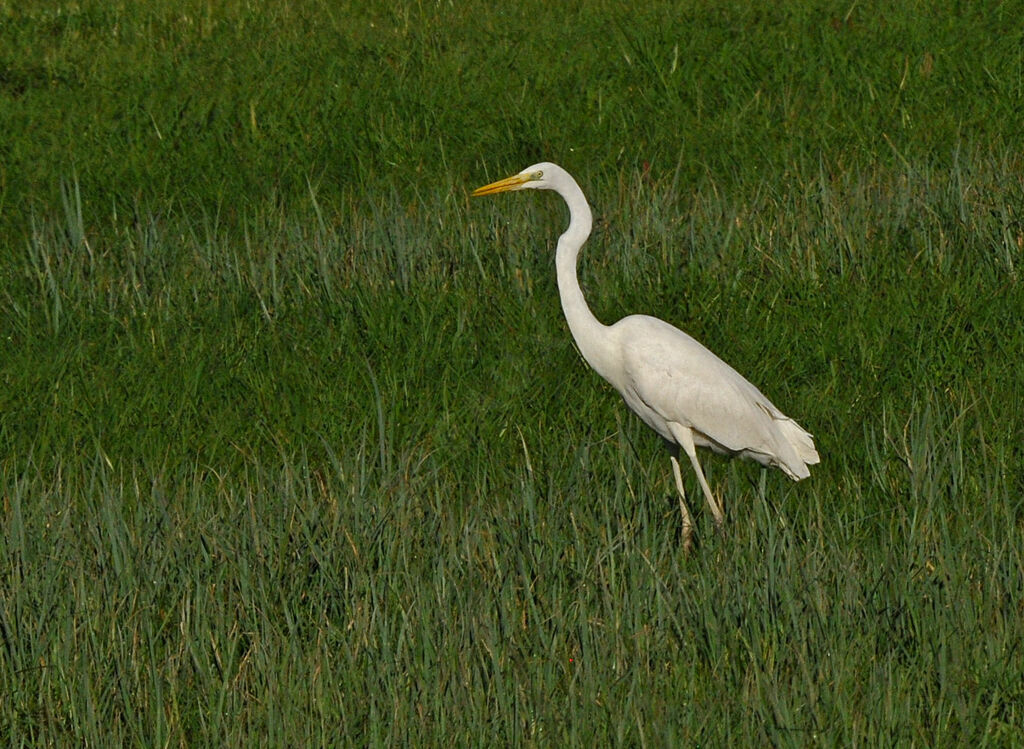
(588,332)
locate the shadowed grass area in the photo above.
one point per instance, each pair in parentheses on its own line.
(295,446)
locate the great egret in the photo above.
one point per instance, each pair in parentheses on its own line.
(674,384)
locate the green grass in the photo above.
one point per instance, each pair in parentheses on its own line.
(295,448)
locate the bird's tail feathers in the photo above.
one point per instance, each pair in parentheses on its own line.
(803,449)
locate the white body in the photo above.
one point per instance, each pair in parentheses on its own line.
(668,378)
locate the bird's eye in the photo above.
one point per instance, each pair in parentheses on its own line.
(537,175)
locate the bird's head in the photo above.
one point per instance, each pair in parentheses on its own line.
(542,176)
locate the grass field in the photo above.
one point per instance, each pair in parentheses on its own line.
(295,447)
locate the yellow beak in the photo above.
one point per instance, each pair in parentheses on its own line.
(502,185)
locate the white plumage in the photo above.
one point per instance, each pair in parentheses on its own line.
(674,384)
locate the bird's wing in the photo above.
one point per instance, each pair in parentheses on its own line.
(682,381)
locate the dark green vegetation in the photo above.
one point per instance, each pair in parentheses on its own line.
(295,447)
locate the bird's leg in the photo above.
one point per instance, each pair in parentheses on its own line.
(687,520)
(685,437)
(716,509)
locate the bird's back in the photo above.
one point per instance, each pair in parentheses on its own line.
(666,376)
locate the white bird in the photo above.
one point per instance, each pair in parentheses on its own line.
(674,384)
